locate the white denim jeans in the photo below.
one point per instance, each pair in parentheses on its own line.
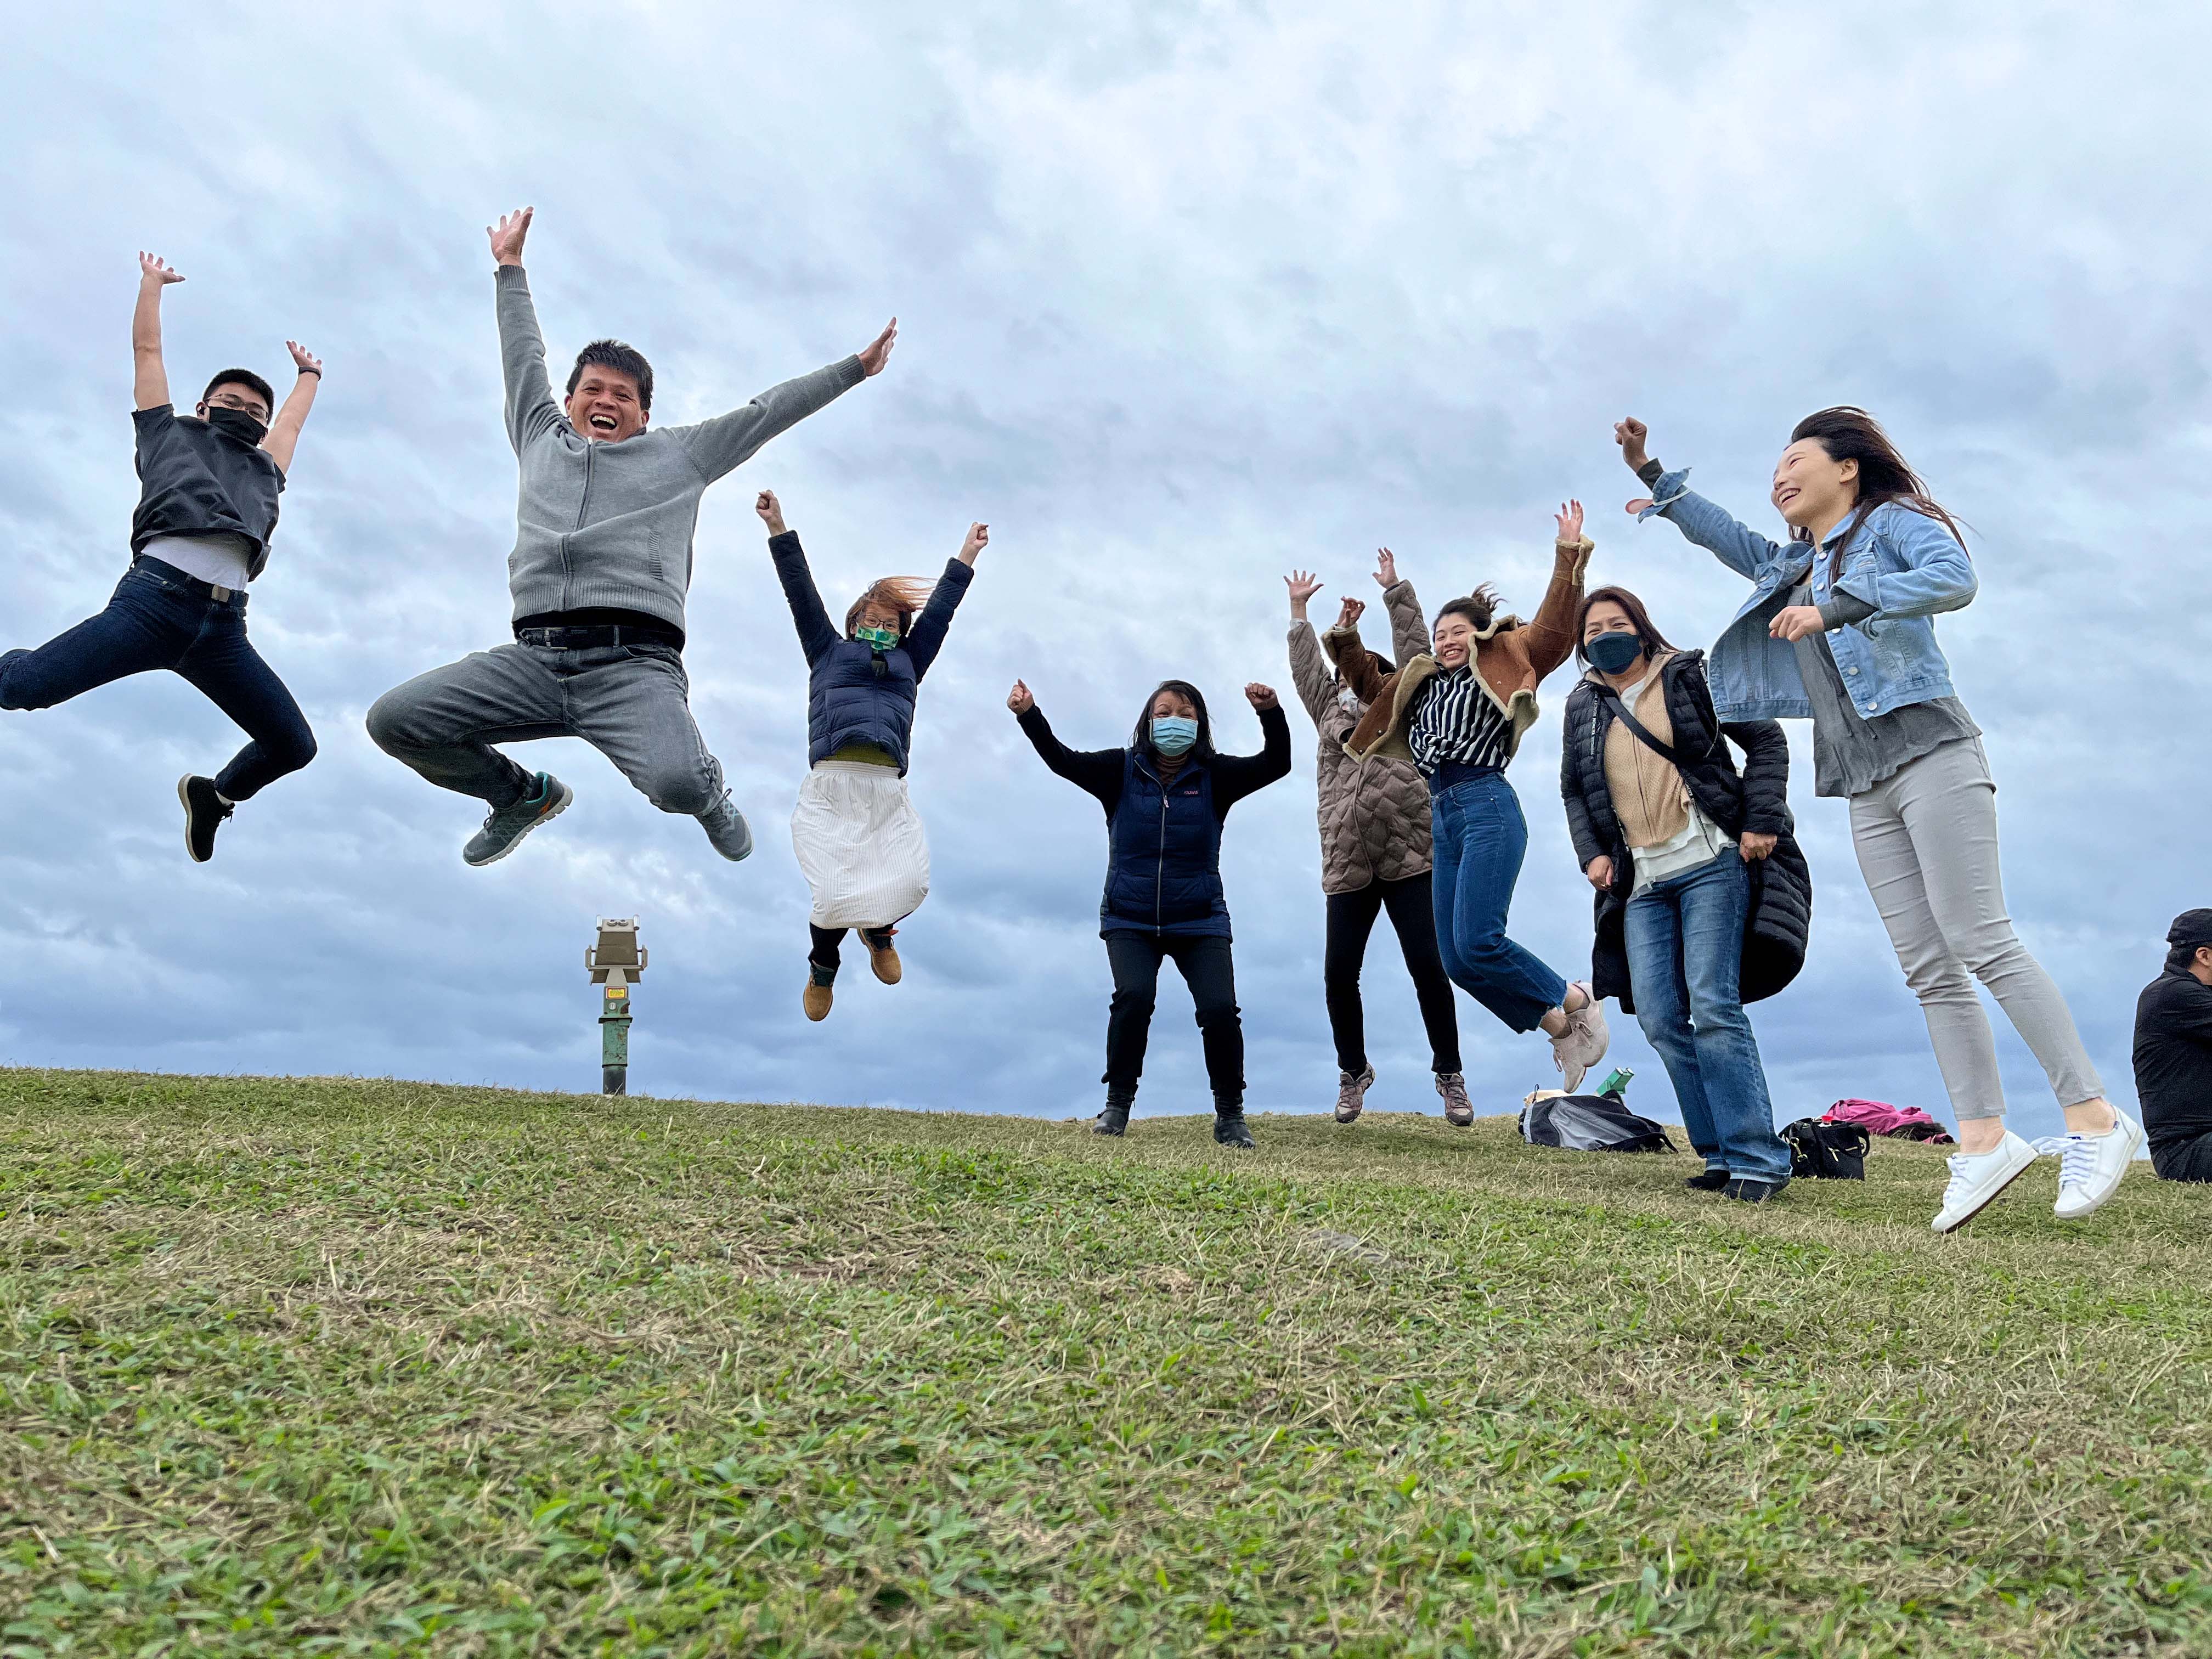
(1927,844)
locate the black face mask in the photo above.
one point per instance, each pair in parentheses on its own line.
(237,423)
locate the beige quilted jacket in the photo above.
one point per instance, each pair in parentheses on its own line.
(1374,818)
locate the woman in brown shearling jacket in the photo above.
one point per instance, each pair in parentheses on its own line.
(1375,840)
(1459,715)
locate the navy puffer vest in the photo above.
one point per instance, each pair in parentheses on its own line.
(857,693)
(1163,855)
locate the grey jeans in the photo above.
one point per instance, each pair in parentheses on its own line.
(1927,842)
(631,703)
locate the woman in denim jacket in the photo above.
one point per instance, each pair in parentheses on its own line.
(1839,628)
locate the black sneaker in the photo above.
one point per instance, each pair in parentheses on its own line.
(204,812)
(1712,1180)
(1744,1190)
(1112,1119)
(1230,1130)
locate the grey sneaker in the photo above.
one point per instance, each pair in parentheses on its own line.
(726,828)
(1459,1111)
(1351,1093)
(505,828)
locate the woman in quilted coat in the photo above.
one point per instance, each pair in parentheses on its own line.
(1376,846)
(1703,900)
(859,843)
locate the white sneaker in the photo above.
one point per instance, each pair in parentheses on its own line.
(2090,1168)
(1584,1042)
(1978,1177)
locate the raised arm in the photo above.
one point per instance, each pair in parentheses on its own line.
(927,637)
(1409,628)
(1309,673)
(530,409)
(1735,543)
(1551,635)
(1236,776)
(1098,771)
(816,633)
(726,441)
(150,378)
(284,431)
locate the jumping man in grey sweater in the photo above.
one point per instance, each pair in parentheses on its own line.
(601,563)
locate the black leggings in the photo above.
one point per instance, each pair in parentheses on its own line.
(825,941)
(1210,971)
(1351,920)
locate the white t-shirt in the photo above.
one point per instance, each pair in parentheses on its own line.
(223,560)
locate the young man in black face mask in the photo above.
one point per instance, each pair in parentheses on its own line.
(207,507)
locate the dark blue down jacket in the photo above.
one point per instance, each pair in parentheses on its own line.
(856,693)
(1164,837)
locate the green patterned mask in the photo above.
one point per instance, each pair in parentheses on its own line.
(884,639)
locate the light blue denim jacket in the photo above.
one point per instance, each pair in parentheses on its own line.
(1903,563)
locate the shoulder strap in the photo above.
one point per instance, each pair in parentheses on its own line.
(1673,757)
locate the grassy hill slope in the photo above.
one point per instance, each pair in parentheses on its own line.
(372,1366)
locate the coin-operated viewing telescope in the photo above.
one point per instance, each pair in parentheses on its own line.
(616,961)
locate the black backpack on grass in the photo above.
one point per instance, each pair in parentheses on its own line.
(1590,1123)
(1826,1152)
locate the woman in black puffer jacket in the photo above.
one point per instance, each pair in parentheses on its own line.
(1703,900)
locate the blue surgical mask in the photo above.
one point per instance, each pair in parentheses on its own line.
(1172,734)
(1611,653)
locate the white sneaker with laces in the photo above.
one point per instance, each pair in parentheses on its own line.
(1584,1042)
(1978,1177)
(2091,1167)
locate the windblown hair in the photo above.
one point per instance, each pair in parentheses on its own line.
(1141,738)
(1654,640)
(1847,433)
(624,359)
(1479,607)
(904,594)
(249,381)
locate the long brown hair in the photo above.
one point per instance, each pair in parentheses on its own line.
(904,594)
(1654,640)
(1848,433)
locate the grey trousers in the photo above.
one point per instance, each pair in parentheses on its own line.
(631,703)
(1927,842)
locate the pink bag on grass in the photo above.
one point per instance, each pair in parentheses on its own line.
(1879,1117)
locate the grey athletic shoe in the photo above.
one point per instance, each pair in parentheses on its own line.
(1459,1111)
(506,826)
(1351,1093)
(726,828)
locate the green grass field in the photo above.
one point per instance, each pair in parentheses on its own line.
(309,1365)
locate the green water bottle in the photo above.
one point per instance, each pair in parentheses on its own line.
(1616,1082)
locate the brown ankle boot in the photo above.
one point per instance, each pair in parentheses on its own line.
(883,955)
(816,996)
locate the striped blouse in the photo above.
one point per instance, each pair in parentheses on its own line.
(1458,723)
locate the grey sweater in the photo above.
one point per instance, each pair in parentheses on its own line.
(609,525)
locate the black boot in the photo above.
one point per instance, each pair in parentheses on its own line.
(1113,1118)
(1229,1129)
(1711,1181)
(1746,1190)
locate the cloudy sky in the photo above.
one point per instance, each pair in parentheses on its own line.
(1188,294)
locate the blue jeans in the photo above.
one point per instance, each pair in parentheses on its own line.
(157,620)
(1685,938)
(1481,839)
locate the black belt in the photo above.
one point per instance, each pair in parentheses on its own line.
(596,636)
(184,579)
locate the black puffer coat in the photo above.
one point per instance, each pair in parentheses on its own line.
(1757,802)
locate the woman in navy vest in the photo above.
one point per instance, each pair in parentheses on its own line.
(859,843)
(1165,797)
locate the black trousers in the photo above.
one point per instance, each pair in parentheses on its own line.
(823,943)
(2186,1160)
(1209,970)
(1351,920)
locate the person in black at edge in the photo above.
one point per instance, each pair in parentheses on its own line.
(1165,797)
(2173,1053)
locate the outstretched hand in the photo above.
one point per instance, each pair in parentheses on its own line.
(878,351)
(1303,585)
(507,235)
(979,538)
(770,511)
(304,360)
(1019,699)
(1349,613)
(1385,568)
(1261,697)
(152,267)
(1570,524)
